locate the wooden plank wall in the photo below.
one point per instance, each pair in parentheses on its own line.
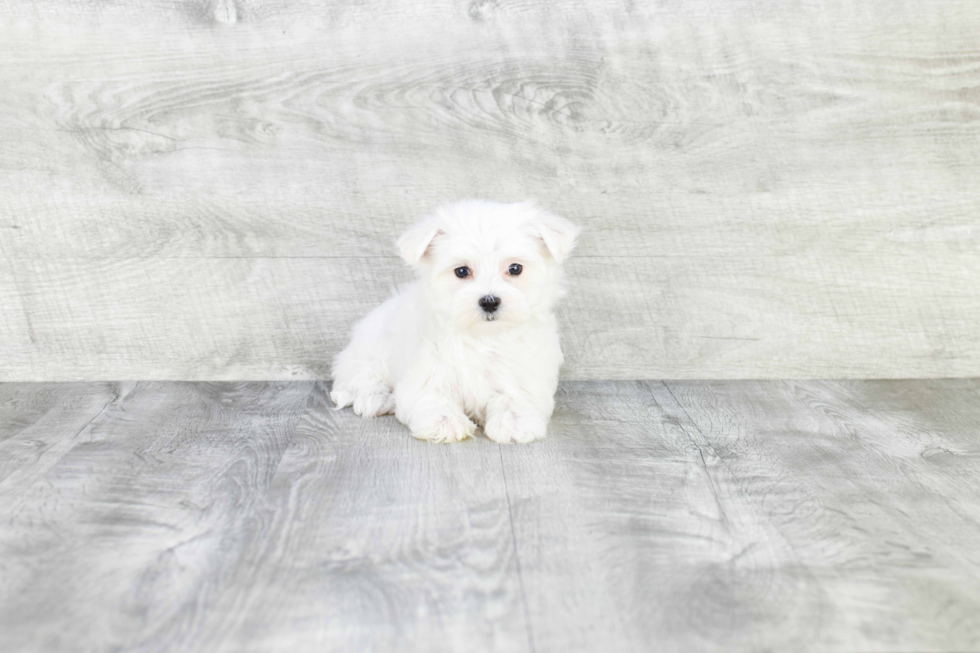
(210,190)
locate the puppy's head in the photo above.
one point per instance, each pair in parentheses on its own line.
(489,266)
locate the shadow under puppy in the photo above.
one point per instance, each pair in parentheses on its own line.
(474,340)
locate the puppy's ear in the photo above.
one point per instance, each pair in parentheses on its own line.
(558,234)
(413,244)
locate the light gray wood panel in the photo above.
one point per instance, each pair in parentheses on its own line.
(629,533)
(124,542)
(389,13)
(872,488)
(190,319)
(752,516)
(15,321)
(824,516)
(199,517)
(933,217)
(377,542)
(256,318)
(298,140)
(839,136)
(40,423)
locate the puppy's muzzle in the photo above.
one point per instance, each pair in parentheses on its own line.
(489,303)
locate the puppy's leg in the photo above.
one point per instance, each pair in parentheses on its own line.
(427,408)
(369,397)
(373,398)
(516,419)
(440,421)
(359,382)
(359,374)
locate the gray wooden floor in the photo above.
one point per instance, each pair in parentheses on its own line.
(779,515)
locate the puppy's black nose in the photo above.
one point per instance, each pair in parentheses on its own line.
(489,303)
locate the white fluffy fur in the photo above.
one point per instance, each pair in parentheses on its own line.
(432,356)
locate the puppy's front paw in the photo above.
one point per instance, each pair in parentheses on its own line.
(341,398)
(374,404)
(511,426)
(368,398)
(446,429)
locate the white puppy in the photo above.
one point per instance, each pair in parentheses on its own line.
(475,338)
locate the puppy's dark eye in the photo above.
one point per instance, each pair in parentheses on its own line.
(515,269)
(462,272)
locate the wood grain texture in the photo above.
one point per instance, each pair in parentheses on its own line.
(129,536)
(644,536)
(376,541)
(40,424)
(752,516)
(235,517)
(800,173)
(710,516)
(829,464)
(787,316)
